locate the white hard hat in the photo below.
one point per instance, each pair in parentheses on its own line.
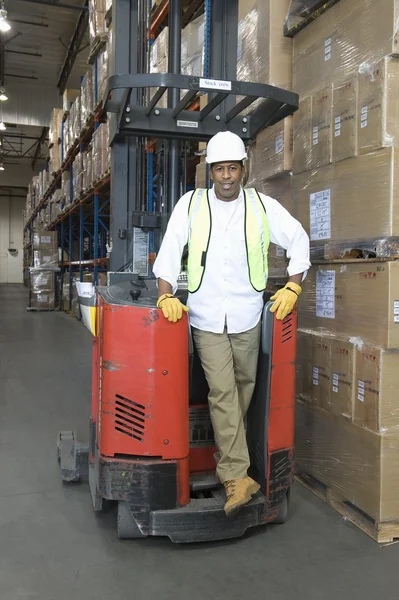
(225,146)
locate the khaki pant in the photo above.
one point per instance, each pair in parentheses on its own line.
(230,365)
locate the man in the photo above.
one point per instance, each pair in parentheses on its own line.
(228,232)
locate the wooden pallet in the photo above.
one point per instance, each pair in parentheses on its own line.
(381,532)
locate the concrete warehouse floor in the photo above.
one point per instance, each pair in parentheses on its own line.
(54,547)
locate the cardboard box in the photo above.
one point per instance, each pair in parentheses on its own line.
(342,383)
(302,136)
(378,105)
(325,364)
(304,364)
(264,55)
(279,188)
(350,33)
(344,113)
(353,299)
(68,98)
(321,370)
(330,202)
(274,147)
(360,466)
(200,175)
(277,262)
(320,154)
(376,404)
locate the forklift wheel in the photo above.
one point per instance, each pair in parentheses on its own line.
(283,514)
(127,526)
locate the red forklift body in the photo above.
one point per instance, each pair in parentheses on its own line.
(152,444)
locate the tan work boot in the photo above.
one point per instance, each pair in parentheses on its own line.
(239,492)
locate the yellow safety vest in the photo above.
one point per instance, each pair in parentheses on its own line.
(257,238)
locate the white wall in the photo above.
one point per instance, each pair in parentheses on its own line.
(11,266)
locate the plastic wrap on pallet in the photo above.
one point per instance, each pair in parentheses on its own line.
(192,47)
(349,117)
(333,46)
(102,72)
(349,378)
(77,170)
(264,54)
(45,249)
(350,200)
(354,298)
(101,152)
(87,100)
(358,467)
(108,5)
(55,125)
(97,28)
(55,158)
(66,187)
(42,288)
(273,153)
(68,98)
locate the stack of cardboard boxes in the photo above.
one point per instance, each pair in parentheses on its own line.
(345,191)
(43,272)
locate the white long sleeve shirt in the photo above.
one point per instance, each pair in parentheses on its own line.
(226,294)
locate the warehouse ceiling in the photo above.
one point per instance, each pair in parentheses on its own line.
(45,51)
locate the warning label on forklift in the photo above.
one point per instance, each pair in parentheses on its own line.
(325,294)
(215,84)
(140,251)
(192,124)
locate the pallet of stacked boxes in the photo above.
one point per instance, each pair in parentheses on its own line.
(44,272)
(345,190)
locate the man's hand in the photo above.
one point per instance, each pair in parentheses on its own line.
(285,300)
(171,307)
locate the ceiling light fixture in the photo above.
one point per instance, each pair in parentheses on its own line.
(4,24)
(2,126)
(3,95)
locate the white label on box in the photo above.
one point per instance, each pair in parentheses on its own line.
(215,84)
(42,299)
(192,124)
(280,251)
(315,375)
(320,215)
(327,49)
(325,294)
(279,144)
(315,135)
(46,259)
(45,239)
(140,251)
(364,116)
(337,126)
(335,385)
(396,319)
(360,390)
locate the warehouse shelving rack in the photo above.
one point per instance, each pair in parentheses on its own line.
(148,154)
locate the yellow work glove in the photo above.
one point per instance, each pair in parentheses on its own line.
(285,300)
(171,307)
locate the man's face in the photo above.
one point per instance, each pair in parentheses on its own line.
(227,177)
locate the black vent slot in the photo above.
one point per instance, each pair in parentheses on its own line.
(129,418)
(287,330)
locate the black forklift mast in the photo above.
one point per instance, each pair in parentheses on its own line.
(135,117)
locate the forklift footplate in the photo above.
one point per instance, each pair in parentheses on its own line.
(203,520)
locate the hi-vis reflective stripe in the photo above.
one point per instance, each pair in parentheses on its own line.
(255,203)
(257,238)
(195,204)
